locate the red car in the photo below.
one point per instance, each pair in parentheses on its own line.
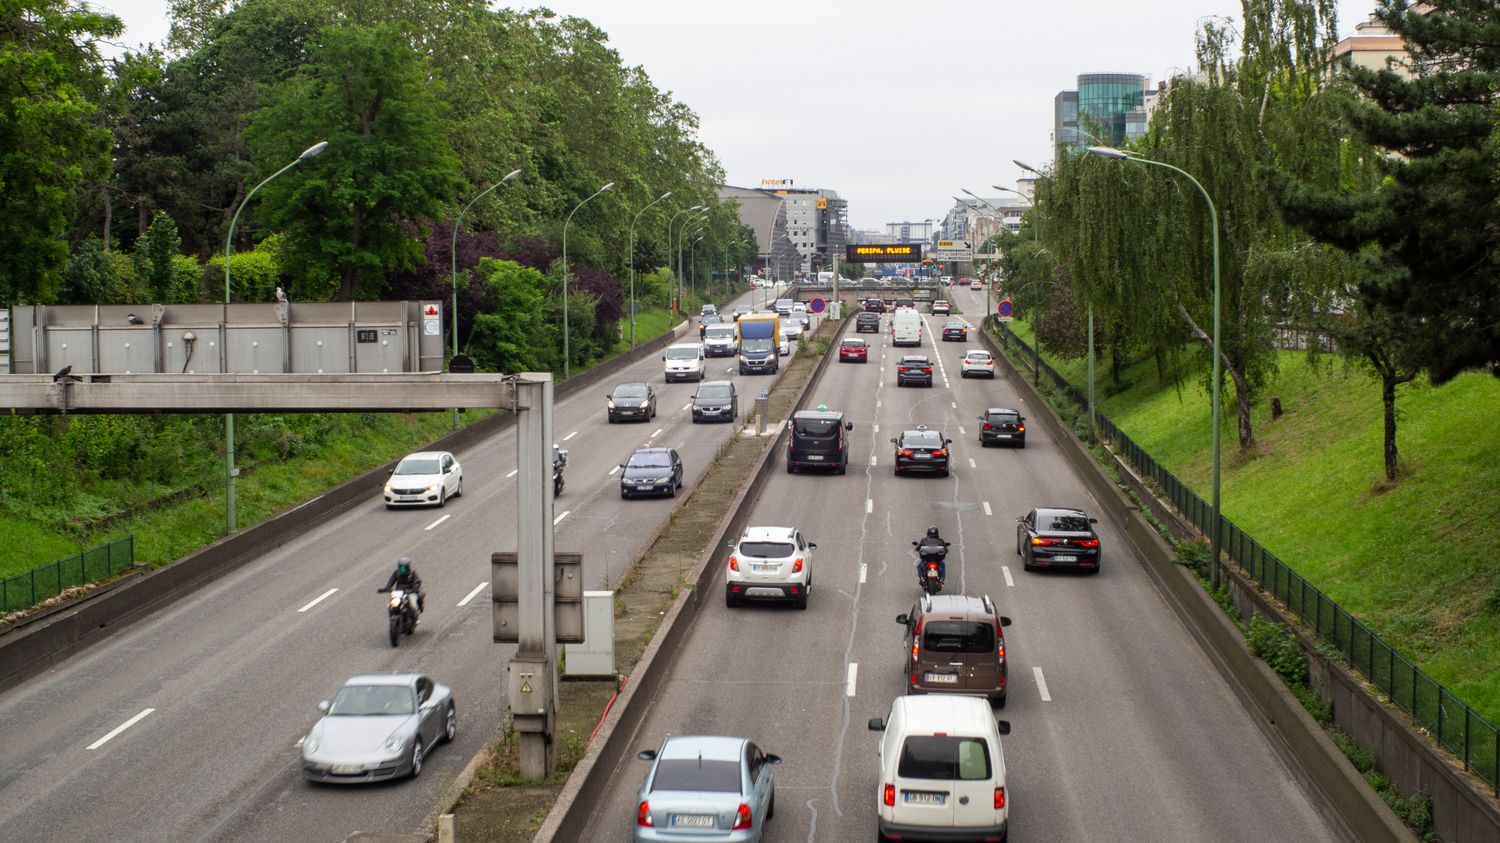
(853,350)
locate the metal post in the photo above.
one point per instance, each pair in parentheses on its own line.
(453,262)
(567,362)
(534,577)
(1093,437)
(632,261)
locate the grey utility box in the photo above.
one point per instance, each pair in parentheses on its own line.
(596,655)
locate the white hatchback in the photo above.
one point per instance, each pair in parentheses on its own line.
(977,363)
(424,478)
(769,562)
(942,770)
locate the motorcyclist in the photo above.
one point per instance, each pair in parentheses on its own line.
(405,576)
(933,544)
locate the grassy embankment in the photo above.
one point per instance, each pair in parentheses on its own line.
(1409,558)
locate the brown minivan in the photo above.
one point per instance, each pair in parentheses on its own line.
(955,644)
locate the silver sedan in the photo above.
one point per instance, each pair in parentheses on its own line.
(703,789)
(378,727)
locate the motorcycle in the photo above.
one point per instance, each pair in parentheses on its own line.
(930,576)
(559,462)
(403,614)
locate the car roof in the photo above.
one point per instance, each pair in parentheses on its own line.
(955,323)
(631,383)
(649,451)
(425,455)
(976,351)
(913,357)
(854,341)
(927,713)
(759,534)
(702,746)
(685,345)
(716,383)
(1002,410)
(383,679)
(817,414)
(957,604)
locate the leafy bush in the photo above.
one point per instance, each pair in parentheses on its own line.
(1279,648)
(253,276)
(1194,555)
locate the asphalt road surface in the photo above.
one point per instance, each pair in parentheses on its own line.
(216,691)
(1122,729)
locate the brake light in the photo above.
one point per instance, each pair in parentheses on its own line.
(989,362)
(1039,541)
(1021,428)
(797,566)
(940,452)
(927,369)
(889,795)
(742,817)
(643,815)
(999,798)
(905,452)
(1088,542)
(988,426)
(734,564)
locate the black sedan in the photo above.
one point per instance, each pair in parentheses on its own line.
(651,471)
(914,368)
(708,319)
(955,331)
(922,450)
(867,323)
(715,401)
(1049,537)
(1007,427)
(632,401)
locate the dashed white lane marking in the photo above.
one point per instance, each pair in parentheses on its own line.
(961,431)
(614,471)
(513,473)
(872,459)
(1009,583)
(877,427)
(1041,684)
(319,599)
(298,744)
(863,569)
(120,728)
(953,404)
(471,595)
(659,430)
(877,406)
(971,463)
(558,519)
(688,406)
(853,673)
(437,522)
(987,508)
(570,436)
(869,505)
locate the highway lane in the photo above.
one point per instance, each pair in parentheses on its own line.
(1122,729)
(231,673)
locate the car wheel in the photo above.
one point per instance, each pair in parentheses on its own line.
(1094,570)
(771,808)
(416,758)
(801,601)
(610,417)
(790,469)
(671,490)
(450,725)
(696,419)
(460,492)
(442,497)
(730,600)
(945,473)
(624,495)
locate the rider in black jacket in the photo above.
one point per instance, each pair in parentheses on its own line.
(405,576)
(933,543)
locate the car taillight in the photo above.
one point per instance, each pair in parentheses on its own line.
(1088,542)
(797,566)
(940,452)
(927,369)
(643,815)
(1038,540)
(989,362)
(988,426)
(902,369)
(889,795)
(999,798)
(742,817)
(905,452)
(1020,428)
(734,564)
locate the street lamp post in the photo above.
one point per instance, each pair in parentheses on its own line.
(681,233)
(567,358)
(453,261)
(229,470)
(1000,221)
(693,261)
(1216,536)
(632,261)
(677,306)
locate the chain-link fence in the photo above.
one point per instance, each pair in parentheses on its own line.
(1463,731)
(27,589)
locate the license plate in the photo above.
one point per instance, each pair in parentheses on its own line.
(815,456)
(692,821)
(765,569)
(922,456)
(347,769)
(408,497)
(941,678)
(1065,559)
(924,798)
(1005,436)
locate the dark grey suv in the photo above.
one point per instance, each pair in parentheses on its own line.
(867,323)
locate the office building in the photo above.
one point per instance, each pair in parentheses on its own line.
(1107,108)
(764,213)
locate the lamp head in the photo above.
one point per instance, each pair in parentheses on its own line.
(607,188)
(970,192)
(312,151)
(664,196)
(697,208)
(511,176)
(1027,167)
(1107,152)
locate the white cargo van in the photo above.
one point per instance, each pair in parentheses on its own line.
(906,327)
(684,361)
(942,770)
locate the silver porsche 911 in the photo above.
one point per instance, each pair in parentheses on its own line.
(379,727)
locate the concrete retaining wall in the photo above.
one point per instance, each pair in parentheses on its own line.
(31,645)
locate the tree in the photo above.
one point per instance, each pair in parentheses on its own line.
(366,92)
(515,338)
(50,139)
(155,251)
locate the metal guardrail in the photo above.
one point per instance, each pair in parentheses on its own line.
(24,590)
(1451,721)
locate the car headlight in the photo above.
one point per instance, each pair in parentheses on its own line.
(645,404)
(309,745)
(611,404)
(395,742)
(434,487)
(744,359)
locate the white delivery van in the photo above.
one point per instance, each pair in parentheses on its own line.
(942,770)
(906,327)
(684,361)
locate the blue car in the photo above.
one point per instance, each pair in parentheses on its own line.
(702,789)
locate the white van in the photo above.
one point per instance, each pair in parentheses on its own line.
(906,327)
(684,361)
(942,770)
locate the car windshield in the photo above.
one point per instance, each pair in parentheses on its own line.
(1063,522)
(716,332)
(944,757)
(786,303)
(714,393)
(816,428)
(957,325)
(924,439)
(695,774)
(656,460)
(1004,418)
(688,353)
(634,390)
(371,700)
(422,466)
(756,346)
(958,637)
(766,550)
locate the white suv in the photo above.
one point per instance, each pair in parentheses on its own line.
(979,364)
(684,362)
(769,562)
(942,770)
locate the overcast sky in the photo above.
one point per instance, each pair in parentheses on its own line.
(896,105)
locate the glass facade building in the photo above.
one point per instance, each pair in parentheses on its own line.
(1104,100)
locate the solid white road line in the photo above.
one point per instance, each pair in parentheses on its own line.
(319,599)
(558,519)
(437,522)
(869,505)
(1009,583)
(120,728)
(614,471)
(471,595)
(512,473)
(863,569)
(570,436)
(853,673)
(1041,684)
(987,508)
(971,463)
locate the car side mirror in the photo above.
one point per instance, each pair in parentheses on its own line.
(913,544)
(893,440)
(729,545)
(848,425)
(1004,621)
(650,754)
(773,759)
(622,465)
(903,619)
(947,441)
(1004,726)
(323,706)
(1093,521)
(812,544)
(877,725)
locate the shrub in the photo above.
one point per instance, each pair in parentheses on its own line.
(1279,648)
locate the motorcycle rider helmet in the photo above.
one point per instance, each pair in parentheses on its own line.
(932,532)
(403,565)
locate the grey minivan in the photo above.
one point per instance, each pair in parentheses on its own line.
(819,439)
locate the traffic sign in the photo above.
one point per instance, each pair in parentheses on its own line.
(816,305)
(1005,309)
